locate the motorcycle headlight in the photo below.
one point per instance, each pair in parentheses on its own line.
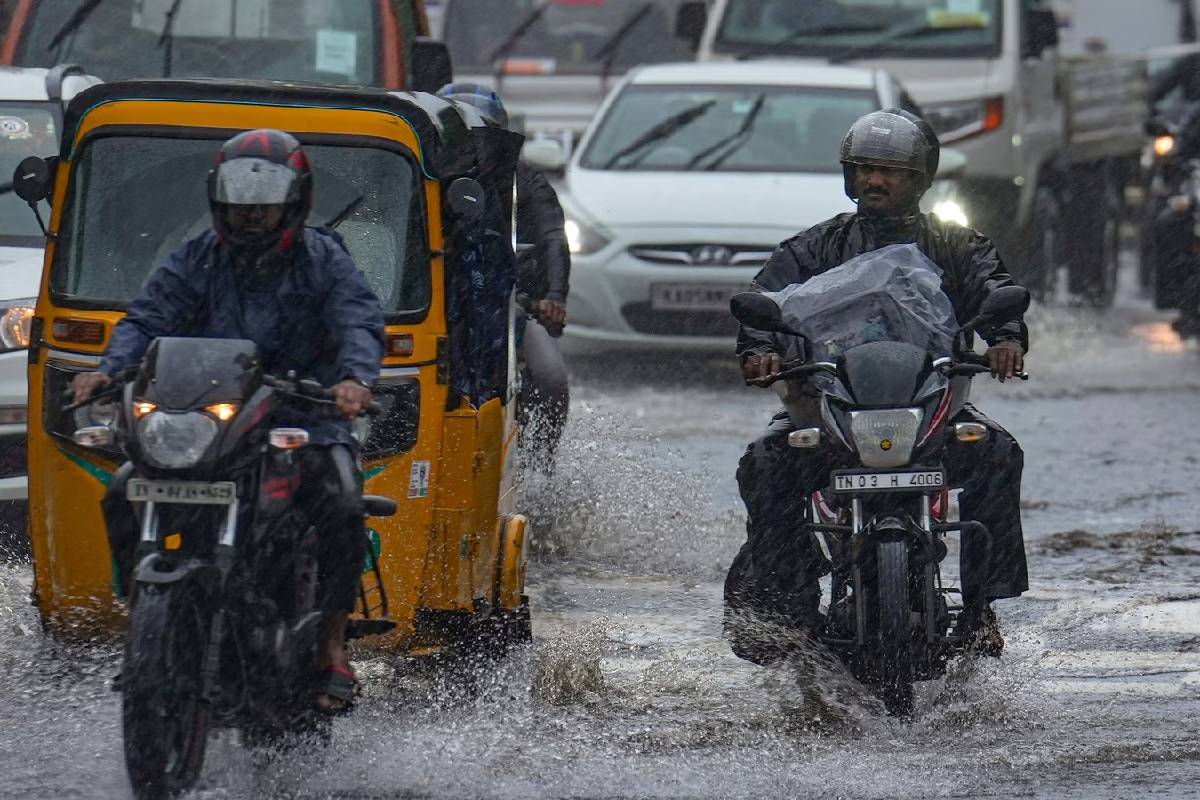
(1163,145)
(176,441)
(886,438)
(16,321)
(582,240)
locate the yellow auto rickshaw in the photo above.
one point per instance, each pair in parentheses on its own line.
(416,186)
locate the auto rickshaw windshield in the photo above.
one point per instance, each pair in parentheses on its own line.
(136,199)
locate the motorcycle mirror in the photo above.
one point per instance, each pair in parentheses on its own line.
(1005,302)
(759,311)
(465,199)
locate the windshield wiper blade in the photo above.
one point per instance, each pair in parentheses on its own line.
(734,141)
(166,39)
(508,44)
(345,213)
(73,23)
(606,54)
(803,33)
(661,131)
(891,35)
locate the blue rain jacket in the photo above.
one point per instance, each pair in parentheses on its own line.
(317,316)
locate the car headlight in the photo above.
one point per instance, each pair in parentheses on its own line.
(176,441)
(950,211)
(886,438)
(953,121)
(582,240)
(16,323)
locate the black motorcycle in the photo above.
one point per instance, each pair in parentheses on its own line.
(880,523)
(224,624)
(1170,241)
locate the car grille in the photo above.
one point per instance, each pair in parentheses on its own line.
(13,458)
(702,255)
(644,319)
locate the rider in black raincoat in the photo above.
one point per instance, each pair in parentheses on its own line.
(889,158)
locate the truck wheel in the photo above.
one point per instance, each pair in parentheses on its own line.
(895,657)
(1045,248)
(1094,271)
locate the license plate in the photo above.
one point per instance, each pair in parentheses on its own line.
(222,493)
(924,480)
(692,296)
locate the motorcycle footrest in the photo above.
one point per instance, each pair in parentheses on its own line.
(360,628)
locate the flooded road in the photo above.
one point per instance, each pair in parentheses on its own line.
(630,690)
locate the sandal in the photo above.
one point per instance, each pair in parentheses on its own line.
(341,684)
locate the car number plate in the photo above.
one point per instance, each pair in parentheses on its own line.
(892,481)
(693,296)
(222,493)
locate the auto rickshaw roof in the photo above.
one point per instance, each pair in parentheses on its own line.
(442,127)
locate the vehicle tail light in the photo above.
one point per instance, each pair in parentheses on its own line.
(78,331)
(288,438)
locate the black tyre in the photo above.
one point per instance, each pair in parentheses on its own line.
(1095,266)
(1045,247)
(165,721)
(895,671)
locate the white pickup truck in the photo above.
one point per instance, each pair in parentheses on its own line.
(1050,141)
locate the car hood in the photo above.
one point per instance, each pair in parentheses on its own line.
(621,199)
(20,272)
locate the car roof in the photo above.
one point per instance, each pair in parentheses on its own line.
(782,72)
(23,83)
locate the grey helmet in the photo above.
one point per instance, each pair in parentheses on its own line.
(892,137)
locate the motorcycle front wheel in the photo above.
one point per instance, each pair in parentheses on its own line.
(164,718)
(894,673)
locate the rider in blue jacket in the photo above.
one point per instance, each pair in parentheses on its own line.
(294,291)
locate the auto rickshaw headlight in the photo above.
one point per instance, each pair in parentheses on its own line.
(176,441)
(16,323)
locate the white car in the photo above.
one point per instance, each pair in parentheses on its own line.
(31,110)
(689,177)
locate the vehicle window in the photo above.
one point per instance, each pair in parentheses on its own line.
(331,41)
(136,199)
(26,129)
(561,36)
(897,28)
(726,128)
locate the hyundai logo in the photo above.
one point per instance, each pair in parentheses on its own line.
(712,254)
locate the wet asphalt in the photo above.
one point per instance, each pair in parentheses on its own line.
(629,690)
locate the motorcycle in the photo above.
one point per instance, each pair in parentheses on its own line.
(223,627)
(1171,223)
(881,522)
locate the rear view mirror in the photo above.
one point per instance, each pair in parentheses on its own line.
(1003,303)
(32,179)
(691,18)
(465,199)
(756,310)
(431,67)
(951,164)
(545,155)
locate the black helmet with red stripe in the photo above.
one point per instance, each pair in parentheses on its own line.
(260,191)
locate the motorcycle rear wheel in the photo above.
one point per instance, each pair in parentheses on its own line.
(165,721)
(895,658)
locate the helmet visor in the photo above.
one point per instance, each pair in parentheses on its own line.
(886,140)
(254,182)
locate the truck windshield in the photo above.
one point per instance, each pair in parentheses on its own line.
(726,128)
(331,41)
(26,129)
(545,37)
(888,28)
(136,199)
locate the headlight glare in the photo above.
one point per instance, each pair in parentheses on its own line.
(582,240)
(950,211)
(16,323)
(176,441)
(1163,145)
(886,438)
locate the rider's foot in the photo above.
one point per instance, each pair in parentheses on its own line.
(984,630)
(335,664)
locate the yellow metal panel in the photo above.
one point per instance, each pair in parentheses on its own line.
(513,548)
(447,583)
(489,469)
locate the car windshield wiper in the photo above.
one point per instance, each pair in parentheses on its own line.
(606,54)
(889,36)
(734,141)
(803,33)
(73,23)
(508,44)
(661,131)
(345,213)
(166,39)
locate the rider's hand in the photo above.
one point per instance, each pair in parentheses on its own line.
(552,313)
(760,367)
(1006,359)
(86,384)
(351,397)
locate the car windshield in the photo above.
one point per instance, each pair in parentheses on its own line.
(331,41)
(26,129)
(546,37)
(726,128)
(136,199)
(894,28)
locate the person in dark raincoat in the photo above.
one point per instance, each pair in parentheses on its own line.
(294,291)
(890,159)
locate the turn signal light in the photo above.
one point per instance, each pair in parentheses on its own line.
(141,408)
(805,437)
(288,438)
(79,331)
(222,411)
(1163,145)
(970,432)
